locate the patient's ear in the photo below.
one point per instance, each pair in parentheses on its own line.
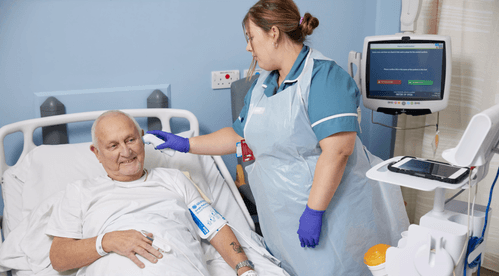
(142,138)
(94,149)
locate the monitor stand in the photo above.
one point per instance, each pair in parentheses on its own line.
(434,246)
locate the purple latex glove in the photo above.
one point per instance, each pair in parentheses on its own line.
(310,227)
(172,141)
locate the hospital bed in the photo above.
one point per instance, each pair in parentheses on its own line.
(29,187)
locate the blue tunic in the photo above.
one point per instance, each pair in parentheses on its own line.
(332,92)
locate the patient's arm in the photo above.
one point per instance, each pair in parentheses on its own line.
(220,142)
(225,242)
(67,253)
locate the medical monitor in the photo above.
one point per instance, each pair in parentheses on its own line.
(406,73)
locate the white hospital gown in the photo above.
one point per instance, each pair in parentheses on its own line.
(158,205)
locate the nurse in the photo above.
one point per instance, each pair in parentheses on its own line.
(318,212)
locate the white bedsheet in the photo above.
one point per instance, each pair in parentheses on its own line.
(26,249)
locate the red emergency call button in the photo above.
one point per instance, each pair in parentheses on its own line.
(227,76)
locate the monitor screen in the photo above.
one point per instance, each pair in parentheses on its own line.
(412,70)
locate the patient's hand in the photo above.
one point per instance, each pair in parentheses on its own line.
(129,243)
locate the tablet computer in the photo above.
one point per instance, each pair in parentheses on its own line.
(430,169)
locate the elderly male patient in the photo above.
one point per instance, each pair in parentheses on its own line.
(107,214)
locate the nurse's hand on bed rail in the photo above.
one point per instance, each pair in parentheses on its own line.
(172,141)
(129,243)
(310,227)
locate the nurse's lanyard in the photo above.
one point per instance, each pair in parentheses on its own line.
(243,150)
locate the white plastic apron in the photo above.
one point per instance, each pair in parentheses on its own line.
(286,149)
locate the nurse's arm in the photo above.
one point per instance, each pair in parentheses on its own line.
(226,243)
(220,142)
(67,253)
(330,167)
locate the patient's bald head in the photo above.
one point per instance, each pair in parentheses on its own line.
(117,144)
(107,113)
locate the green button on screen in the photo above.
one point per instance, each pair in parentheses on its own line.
(420,82)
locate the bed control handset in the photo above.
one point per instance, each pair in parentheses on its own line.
(155,141)
(207,219)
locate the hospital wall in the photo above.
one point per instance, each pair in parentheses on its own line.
(85,50)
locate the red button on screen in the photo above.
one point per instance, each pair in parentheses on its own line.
(389,81)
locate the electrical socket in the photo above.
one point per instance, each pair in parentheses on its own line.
(223,79)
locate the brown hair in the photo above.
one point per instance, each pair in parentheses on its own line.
(283,14)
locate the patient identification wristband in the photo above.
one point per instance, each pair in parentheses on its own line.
(250,273)
(98,245)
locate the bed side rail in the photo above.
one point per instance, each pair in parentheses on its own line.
(232,186)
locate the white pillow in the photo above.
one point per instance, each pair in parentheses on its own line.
(12,188)
(53,167)
(27,248)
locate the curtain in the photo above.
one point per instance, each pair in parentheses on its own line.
(473,26)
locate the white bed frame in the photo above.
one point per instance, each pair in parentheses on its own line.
(28,127)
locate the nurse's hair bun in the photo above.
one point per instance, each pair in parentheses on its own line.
(283,14)
(308,24)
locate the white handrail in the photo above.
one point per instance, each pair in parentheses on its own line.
(230,182)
